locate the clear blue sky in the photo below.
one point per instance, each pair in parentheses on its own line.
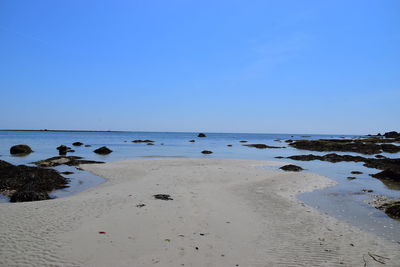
(217,66)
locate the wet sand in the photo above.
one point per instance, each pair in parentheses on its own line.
(223,213)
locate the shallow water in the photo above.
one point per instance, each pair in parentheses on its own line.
(344,201)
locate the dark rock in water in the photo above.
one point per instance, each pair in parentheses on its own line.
(351,178)
(103,150)
(291,167)
(25,196)
(263,146)
(20,150)
(393,210)
(77,144)
(201,135)
(279,157)
(87,145)
(143,141)
(243,141)
(150,144)
(229,145)
(289,141)
(163,197)
(29,183)
(388,174)
(356,172)
(67,173)
(64,160)
(390,206)
(206,152)
(367,190)
(366,146)
(392,134)
(62,150)
(192,141)
(380,156)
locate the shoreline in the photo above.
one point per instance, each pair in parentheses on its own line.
(223,213)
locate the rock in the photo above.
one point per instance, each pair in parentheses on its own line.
(163,197)
(351,178)
(29,183)
(382,163)
(388,174)
(243,141)
(67,173)
(62,150)
(150,144)
(229,145)
(88,146)
(380,156)
(393,210)
(25,196)
(103,150)
(201,135)
(192,141)
(367,190)
(143,141)
(20,150)
(356,172)
(64,160)
(77,144)
(291,167)
(392,134)
(279,157)
(206,152)
(366,146)
(390,206)
(263,146)
(289,141)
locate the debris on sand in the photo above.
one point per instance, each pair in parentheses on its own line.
(163,197)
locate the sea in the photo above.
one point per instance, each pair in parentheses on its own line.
(345,201)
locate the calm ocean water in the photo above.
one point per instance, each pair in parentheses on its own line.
(342,201)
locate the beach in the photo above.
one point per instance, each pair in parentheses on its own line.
(221,213)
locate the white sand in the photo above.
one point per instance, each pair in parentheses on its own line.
(233,211)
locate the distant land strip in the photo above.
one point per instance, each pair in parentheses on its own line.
(46,130)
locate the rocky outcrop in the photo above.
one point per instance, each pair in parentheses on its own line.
(201,135)
(390,166)
(24,196)
(103,150)
(392,134)
(25,183)
(20,150)
(390,206)
(345,145)
(64,160)
(77,144)
(143,141)
(206,152)
(388,174)
(263,146)
(291,167)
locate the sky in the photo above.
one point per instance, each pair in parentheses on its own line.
(213,66)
